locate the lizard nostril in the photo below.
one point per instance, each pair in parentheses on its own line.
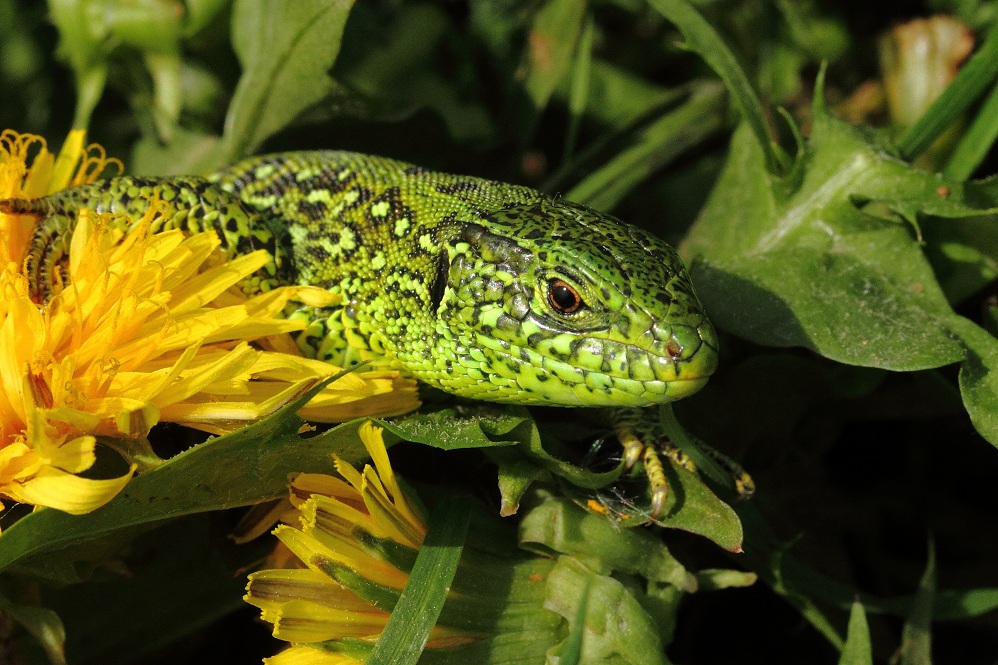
(673,349)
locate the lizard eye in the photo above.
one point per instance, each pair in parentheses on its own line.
(563,297)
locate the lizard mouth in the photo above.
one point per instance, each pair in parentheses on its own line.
(599,372)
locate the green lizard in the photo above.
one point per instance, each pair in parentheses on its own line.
(485,290)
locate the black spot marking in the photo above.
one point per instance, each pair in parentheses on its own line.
(312,210)
(439,284)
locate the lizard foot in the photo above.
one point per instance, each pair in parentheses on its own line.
(642,438)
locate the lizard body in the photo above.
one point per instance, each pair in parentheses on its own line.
(486,290)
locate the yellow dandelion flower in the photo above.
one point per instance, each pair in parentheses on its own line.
(76,164)
(140,328)
(312,604)
(305,655)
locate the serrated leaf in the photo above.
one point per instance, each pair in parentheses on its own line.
(801,262)
(286,51)
(449,429)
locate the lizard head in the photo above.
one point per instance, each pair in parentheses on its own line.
(553,303)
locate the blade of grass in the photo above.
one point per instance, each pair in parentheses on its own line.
(657,145)
(970,82)
(916,637)
(409,626)
(705,41)
(857,649)
(976,141)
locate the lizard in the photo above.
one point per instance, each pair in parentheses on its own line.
(485,290)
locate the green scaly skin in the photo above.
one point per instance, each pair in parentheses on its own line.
(446,277)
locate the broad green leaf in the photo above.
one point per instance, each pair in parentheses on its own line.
(408,628)
(239,469)
(476,427)
(557,525)
(800,262)
(286,51)
(617,628)
(188,152)
(857,649)
(490,427)
(979,377)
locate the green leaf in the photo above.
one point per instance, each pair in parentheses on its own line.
(704,40)
(80,41)
(43,624)
(858,649)
(617,628)
(449,429)
(516,475)
(187,152)
(286,51)
(979,377)
(551,43)
(239,469)
(800,262)
(916,637)
(558,525)
(417,610)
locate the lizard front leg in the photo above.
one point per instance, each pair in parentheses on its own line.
(644,438)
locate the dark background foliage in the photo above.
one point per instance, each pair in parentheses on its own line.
(859,468)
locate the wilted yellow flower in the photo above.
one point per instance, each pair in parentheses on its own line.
(918,59)
(140,328)
(311,604)
(306,655)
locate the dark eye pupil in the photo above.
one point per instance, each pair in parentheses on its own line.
(563,297)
